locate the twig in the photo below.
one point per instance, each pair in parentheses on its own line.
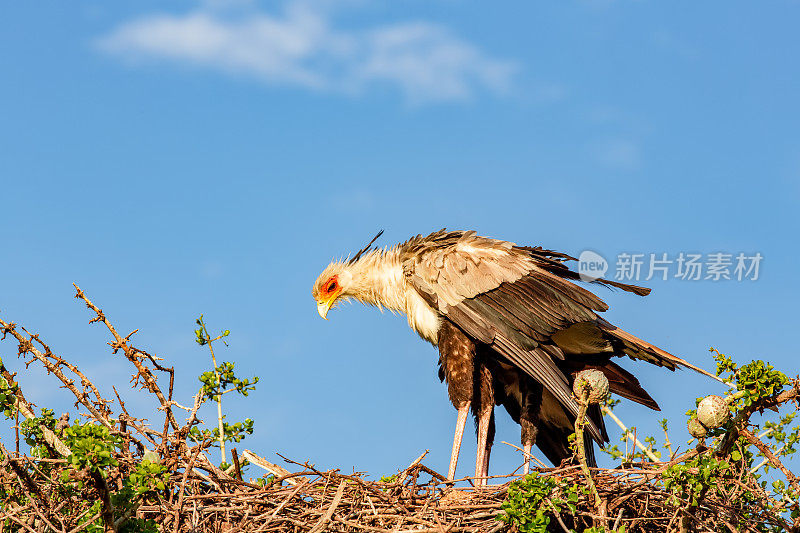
(331,508)
(404,474)
(650,454)
(557,515)
(26,346)
(131,354)
(282,505)
(269,467)
(580,447)
(218,399)
(237,467)
(182,488)
(538,461)
(774,461)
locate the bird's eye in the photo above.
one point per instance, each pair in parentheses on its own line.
(332,286)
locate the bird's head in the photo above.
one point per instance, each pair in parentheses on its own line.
(333,285)
(340,281)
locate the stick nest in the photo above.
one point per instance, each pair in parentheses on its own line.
(122,474)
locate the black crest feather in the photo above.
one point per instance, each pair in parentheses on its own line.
(364,249)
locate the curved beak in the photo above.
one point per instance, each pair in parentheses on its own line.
(323,308)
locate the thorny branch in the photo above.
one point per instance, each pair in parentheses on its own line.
(135,356)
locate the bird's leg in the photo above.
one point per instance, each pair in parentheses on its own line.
(456,366)
(526,447)
(529,419)
(483,407)
(482,459)
(528,438)
(489,443)
(461,421)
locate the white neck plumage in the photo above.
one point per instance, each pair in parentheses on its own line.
(378,280)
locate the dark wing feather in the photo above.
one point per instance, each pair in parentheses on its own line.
(620,381)
(554,262)
(553,439)
(522,303)
(535,362)
(541,367)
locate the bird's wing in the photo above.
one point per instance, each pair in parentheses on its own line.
(459,265)
(522,303)
(516,320)
(496,293)
(526,293)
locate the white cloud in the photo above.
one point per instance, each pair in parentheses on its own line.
(301,48)
(426,60)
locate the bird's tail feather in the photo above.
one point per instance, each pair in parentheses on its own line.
(637,348)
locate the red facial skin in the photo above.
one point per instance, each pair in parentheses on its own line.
(330,286)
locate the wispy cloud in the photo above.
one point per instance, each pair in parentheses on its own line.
(301,47)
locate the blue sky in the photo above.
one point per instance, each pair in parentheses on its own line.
(178,158)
